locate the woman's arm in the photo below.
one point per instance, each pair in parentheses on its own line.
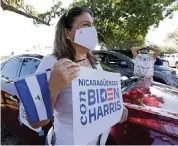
(134,51)
(156,50)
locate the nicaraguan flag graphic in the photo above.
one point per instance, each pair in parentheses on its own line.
(34,94)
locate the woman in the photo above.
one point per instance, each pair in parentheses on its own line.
(74,38)
(144,64)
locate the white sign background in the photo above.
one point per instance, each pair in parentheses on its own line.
(84,134)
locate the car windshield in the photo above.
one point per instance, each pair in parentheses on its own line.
(128,58)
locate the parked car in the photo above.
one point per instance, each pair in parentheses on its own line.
(173,59)
(159,60)
(153,115)
(125,64)
(152,112)
(11,69)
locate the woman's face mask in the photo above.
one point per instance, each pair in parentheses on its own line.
(86,37)
(144,55)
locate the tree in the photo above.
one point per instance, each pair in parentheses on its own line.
(168,50)
(120,23)
(173,37)
(19,7)
(125,23)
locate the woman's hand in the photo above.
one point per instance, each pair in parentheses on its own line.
(62,73)
(124,115)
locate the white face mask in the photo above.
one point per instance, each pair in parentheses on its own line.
(86,37)
(144,55)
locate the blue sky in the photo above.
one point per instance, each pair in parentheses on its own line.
(18,33)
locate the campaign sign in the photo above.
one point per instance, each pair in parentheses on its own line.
(97,103)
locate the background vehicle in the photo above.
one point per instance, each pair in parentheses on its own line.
(11,69)
(173,59)
(153,115)
(159,61)
(141,121)
(125,64)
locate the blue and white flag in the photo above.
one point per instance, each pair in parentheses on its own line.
(35,96)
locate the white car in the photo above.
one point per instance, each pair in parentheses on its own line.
(173,59)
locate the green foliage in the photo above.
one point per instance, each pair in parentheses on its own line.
(120,23)
(169,50)
(19,7)
(173,37)
(125,23)
(106,68)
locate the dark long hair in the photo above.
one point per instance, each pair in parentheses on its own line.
(62,46)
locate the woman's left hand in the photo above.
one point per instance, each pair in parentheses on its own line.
(124,115)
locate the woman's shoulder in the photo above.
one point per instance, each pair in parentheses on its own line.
(47,63)
(49,57)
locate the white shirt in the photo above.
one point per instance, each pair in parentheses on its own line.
(63,110)
(144,65)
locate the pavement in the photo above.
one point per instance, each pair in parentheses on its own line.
(7,138)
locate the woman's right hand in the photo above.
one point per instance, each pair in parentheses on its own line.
(62,73)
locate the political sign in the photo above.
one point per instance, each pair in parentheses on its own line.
(97,103)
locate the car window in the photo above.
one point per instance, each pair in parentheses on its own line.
(116,61)
(10,68)
(29,66)
(100,57)
(107,68)
(113,60)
